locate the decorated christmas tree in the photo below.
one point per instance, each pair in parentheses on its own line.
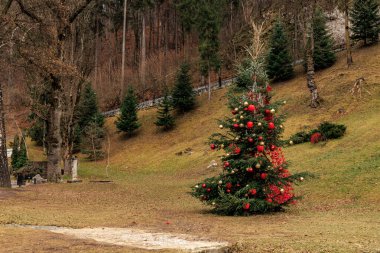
(255,176)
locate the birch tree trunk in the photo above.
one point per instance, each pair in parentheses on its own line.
(5,179)
(143,53)
(311,85)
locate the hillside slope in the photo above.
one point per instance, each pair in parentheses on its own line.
(340,209)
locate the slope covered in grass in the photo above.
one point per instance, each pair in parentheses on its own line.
(340,209)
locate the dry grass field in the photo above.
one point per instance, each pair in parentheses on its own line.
(340,211)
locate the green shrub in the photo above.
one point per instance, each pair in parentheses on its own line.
(332,131)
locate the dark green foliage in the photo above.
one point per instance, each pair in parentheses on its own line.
(326,129)
(37,132)
(127,121)
(87,115)
(208,22)
(332,131)
(324,55)
(183,95)
(365,21)
(164,117)
(279,63)
(15,151)
(19,154)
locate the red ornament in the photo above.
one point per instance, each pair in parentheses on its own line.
(269,200)
(272,147)
(315,138)
(260,138)
(253,191)
(233,112)
(267,111)
(249,124)
(212,146)
(271,125)
(260,148)
(263,176)
(236,125)
(246,206)
(228,190)
(237,151)
(269,89)
(226,164)
(251,108)
(250,170)
(250,139)
(208,189)
(238,185)
(228,185)
(203,185)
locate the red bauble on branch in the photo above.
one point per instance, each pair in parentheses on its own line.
(212,146)
(271,126)
(260,148)
(249,124)
(246,206)
(251,108)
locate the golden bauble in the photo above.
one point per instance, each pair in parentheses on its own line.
(259,124)
(222,146)
(241,117)
(197,186)
(221,126)
(301,179)
(234,120)
(273,111)
(282,191)
(262,143)
(241,112)
(220,182)
(245,103)
(237,138)
(241,125)
(236,109)
(291,142)
(281,126)
(284,102)
(257,165)
(213,203)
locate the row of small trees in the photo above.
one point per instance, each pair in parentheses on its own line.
(182,99)
(365,21)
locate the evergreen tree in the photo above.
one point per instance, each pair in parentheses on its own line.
(37,132)
(365,20)
(279,62)
(15,151)
(164,117)
(91,141)
(323,54)
(22,158)
(255,177)
(183,94)
(127,121)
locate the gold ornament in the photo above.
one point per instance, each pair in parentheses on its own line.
(259,124)
(221,126)
(273,111)
(284,102)
(236,109)
(232,172)
(228,154)
(241,117)
(241,125)
(220,182)
(241,112)
(301,179)
(234,120)
(222,146)
(197,186)
(262,143)
(281,126)
(282,191)
(291,142)
(245,103)
(213,203)
(257,165)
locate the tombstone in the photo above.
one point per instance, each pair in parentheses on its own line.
(37,179)
(74,171)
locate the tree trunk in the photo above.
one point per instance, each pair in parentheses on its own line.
(5,179)
(54,138)
(347,33)
(123,49)
(311,85)
(143,53)
(209,84)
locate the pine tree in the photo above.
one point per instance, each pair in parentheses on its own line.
(323,53)
(255,177)
(127,121)
(22,158)
(365,20)
(164,117)
(15,151)
(183,94)
(279,62)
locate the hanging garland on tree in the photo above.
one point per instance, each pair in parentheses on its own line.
(255,177)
